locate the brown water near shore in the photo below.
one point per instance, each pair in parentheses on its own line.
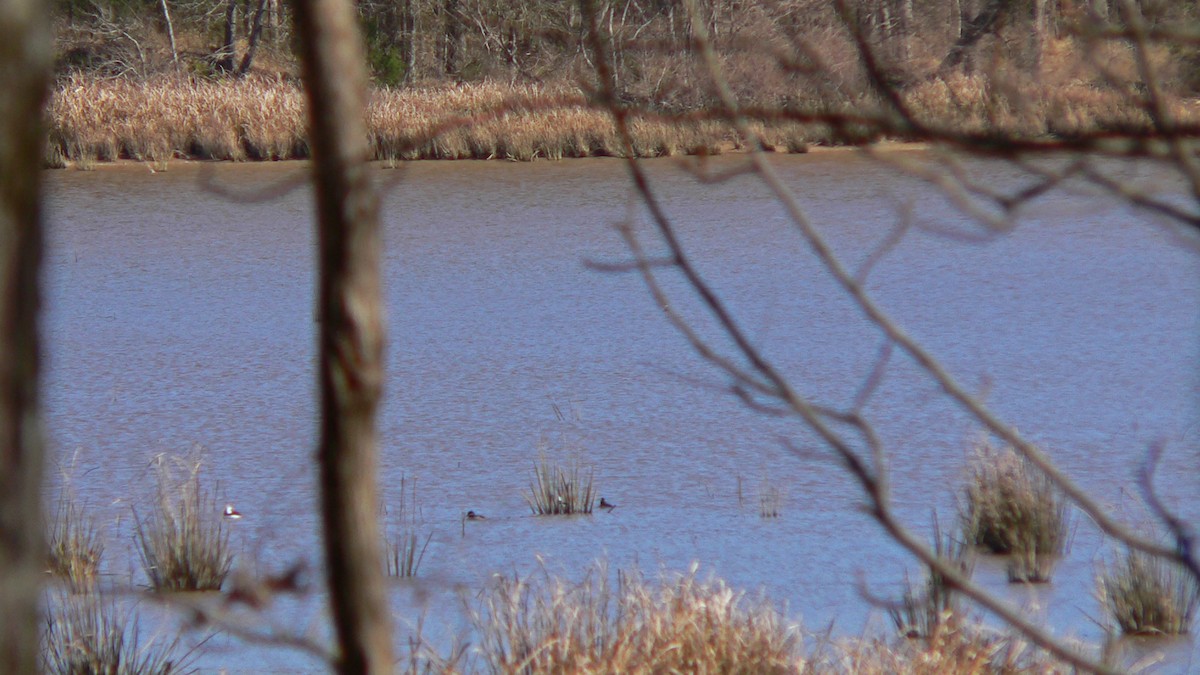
(177,317)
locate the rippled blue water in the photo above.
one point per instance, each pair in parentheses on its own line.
(180,320)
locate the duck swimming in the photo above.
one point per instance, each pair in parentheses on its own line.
(232,513)
(605,504)
(471,515)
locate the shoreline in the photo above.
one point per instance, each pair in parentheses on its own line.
(165,166)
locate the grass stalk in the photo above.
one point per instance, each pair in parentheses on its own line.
(405,549)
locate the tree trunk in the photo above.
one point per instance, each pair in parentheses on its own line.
(351,330)
(229,47)
(25,58)
(987,21)
(1037,45)
(452,56)
(170,30)
(904,30)
(408,39)
(252,42)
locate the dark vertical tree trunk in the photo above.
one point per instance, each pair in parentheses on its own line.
(453,30)
(987,21)
(1037,44)
(25,58)
(252,42)
(351,329)
(408,39)
(229,46)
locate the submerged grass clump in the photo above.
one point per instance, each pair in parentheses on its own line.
(74,546)
(1012,509)
(89,633)
(922,610)
(183,545)
(404,547)
(547,625)
(1146,595)
(557,490)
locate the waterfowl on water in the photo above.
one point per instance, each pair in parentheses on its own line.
(232,513)
(605,504)
(471,515)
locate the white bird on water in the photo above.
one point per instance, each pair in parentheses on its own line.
(232,513)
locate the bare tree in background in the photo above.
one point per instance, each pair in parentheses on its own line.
(25,59)
(351,334)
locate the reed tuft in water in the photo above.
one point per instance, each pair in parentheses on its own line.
(1012,509)
(183,544)
(75,548)
(921,611)
(770,500)
(558,490)
(89,633)
(404,548)
(1146,595)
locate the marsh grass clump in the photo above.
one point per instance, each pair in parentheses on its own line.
(1147,595)
(547,625)
(1013,509)
(74,544)
(404,548)
(183,545)
(922,610)
(89,633)
(953,647)
(770,500)
(558,490)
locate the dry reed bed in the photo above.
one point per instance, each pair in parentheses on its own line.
(104,120)
(263,119)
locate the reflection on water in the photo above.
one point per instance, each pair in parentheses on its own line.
(177,318)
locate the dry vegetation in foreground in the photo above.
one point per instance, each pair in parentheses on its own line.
(90,633)
(684,625)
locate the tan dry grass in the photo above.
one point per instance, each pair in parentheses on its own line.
(1010,507)
(1145,595)
(183,545)
(547,625)
(955,647)
(75,547)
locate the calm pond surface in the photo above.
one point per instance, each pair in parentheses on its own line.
(179,321)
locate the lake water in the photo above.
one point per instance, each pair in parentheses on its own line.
(179,320)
